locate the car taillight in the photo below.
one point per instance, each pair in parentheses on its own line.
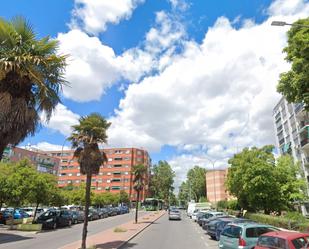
(241,243)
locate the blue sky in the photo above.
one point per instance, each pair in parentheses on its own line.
(176,77)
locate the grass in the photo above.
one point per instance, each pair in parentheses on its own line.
(120,230)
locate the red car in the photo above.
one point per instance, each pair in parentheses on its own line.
(283,240)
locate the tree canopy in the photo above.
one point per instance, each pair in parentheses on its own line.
(31,79)
(196,180)
(261,183)
(162,180)
(294,84)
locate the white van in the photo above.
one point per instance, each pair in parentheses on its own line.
(192,206)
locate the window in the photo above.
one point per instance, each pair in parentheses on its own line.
(77,181)
(231,231)
(299,243)
(70,174)
(127,152)
(118,158)
(117,165)
(99,188)
(108,181)
(109,173)
(118,152)
(115,187)
(109,166)
(117,173)
(139,159)
(100,173)
(92,187)
(126,173)
(272,242)
(116,180)
(64,160)
(63,174)
(78,174)
(254,232)
(126,166)
(127,158)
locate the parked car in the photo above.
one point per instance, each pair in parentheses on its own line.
(103,212)
(124,209)
(242,235)
(199,215)
(112,211)
(93,214)
(213,216)
(213,225)
(283,240)
(55,218)
(224,221)
(77,216)
(18,214)
(174,214)
(2,221)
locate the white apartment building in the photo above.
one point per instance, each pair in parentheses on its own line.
(292,132)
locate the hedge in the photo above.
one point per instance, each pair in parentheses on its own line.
(282,222)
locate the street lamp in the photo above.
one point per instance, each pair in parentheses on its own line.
(214,176)
(281,23)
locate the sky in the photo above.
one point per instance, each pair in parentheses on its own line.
(191,81)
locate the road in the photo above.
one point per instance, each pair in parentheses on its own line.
(54,239)
(165,234)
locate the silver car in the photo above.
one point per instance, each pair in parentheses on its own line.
(174,214)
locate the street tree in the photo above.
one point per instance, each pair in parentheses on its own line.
(85,138)
(183,194)
(5,171)
(196,178)
(31,79)
(162,180)
(124,197)
(139,173)
(41,188)
(294,84)
(259,183)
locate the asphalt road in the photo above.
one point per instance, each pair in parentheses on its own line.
(165,234)
(51,239)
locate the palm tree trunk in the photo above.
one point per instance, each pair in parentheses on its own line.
(88,185)
(136,210)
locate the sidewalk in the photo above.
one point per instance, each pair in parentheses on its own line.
(109,239)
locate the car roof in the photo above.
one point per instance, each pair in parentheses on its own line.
(286,234)
(249,225)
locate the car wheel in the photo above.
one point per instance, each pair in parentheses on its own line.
(213,237)
(54,225)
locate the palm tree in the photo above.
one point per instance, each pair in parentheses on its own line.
(85,138)
(138,172)
(31,78)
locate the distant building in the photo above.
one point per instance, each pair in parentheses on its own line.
(114,176)
(291,123)
(215,185)
(41,161)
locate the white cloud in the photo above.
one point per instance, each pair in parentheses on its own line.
(61,120)
(45,146)
(91,66)
(94,15)
(216,96)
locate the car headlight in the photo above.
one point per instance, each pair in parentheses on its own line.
(49,220)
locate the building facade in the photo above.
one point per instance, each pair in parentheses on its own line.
(43,162)
(114,176)
(215,185)
(291,124)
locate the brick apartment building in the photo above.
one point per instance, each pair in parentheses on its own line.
(43,162)
(215,185)
(114,176)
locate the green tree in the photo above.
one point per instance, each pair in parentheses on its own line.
(183,194)
(294,84)
(31,78)
(196,178)
(5,171)
(162,180)
(124,197)
(41,188)
(259,183)
(139,172)
(85,137)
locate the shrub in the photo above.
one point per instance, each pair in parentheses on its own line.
(284,222)
(233,204)
(222,204)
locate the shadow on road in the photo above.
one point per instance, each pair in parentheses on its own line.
(7,238)
(114,244)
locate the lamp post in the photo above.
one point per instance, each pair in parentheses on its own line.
(281,23)
(214,177)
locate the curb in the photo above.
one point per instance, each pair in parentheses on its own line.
(134,235)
